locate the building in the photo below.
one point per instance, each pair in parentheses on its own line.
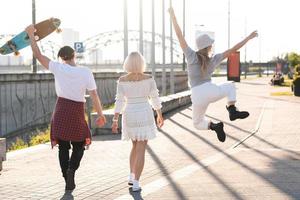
(11,60)
(69,37)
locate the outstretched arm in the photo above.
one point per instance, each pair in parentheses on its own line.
(178,31)
(240,44)
(35,49)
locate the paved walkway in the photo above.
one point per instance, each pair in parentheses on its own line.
(259,160)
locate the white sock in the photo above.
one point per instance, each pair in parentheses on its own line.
(131,177)
(136,185)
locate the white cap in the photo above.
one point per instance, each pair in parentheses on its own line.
(203,41)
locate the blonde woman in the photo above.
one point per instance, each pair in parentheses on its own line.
(201,65)
(136,93)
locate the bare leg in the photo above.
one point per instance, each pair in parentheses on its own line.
(231,103)
(140,158)
(132,156)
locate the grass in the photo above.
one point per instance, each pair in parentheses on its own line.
(282,93)
(39,137)
(19,144)
(287,83)
(109,106)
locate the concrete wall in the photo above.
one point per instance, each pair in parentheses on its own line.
(27,100)
(169,103)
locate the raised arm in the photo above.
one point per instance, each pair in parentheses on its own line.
(177,28)
(35,49)
(240,44)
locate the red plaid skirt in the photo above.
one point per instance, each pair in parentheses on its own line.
(68,122)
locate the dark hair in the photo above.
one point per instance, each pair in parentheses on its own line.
(66,53)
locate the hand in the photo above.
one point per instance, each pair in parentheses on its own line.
(160,121)
(101,120)
(114,127)
(30,30)
(171,11)
(253,35)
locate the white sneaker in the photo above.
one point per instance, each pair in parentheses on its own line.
(136,186)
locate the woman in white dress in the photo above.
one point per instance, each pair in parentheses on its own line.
(136,93)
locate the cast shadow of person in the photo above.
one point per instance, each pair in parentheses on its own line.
(135,195)
(67,196)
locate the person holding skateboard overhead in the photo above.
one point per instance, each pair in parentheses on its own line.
(68,125)
(200,66)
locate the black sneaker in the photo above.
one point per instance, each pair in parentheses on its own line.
(234,113)
(218,128)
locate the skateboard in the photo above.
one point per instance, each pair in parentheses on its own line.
(21,40)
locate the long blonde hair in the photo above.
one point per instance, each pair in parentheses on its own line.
(203,58)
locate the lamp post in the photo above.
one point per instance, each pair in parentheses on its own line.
(153,41)
(141,44)
(34,65)
(228,24)
(125,30)
(245,58)
(183,28)
(164,85)
(172,86)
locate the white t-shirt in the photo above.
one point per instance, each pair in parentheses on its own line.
(71,82)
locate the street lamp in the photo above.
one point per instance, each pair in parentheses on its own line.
(228,24)
(125,29)
(172,82)
(34,65)
(183,28)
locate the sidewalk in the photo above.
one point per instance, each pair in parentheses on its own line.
(182,162)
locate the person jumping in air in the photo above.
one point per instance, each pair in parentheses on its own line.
(200,68)
(136,93)
(68,125)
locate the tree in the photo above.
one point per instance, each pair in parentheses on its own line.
(294,59)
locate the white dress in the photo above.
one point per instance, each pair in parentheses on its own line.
(135,100)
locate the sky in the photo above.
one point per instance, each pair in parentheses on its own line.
(275,21)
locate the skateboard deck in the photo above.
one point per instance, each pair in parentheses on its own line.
(21,40)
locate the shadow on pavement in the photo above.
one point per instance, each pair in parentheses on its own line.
(67,196)
(269,179)
(252,83)
(196,160)
(166,173)
(245,131)
(282,178)
(135,195)
(109,137)
(254,136)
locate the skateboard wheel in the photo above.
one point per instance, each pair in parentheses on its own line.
(17,53)
(58,30)
(36,37)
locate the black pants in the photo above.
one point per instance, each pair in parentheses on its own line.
(64,159)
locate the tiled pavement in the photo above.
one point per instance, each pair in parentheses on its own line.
(182,162)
